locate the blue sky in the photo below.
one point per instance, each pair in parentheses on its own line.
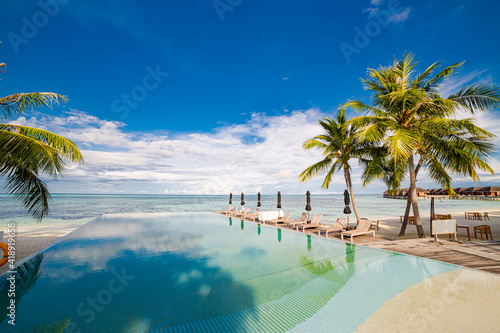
(217,96)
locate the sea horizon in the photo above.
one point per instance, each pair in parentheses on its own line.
(78,209)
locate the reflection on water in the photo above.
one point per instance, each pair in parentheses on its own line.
(57,327)
(173,281)
(134,273)
(25,279)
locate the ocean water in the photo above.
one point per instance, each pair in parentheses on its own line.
(78,209)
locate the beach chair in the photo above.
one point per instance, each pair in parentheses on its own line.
(375,224)
(242,213)
(338,226)
(363,228)
(314,223)
(250,216)
(226,211)
(234,212)
(302,219)
(282,219)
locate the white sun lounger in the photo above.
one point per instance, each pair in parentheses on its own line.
(363,228)
(282,219)
(314,223)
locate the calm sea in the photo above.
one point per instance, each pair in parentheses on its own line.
(68,210)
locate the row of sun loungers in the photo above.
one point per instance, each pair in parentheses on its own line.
(363,227)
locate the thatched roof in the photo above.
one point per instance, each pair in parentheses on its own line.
(471,189)
(489,189)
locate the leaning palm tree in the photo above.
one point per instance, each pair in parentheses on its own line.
(410,118)
(27,152)
(339,144)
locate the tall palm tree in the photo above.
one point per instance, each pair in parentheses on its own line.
(339,144)
(27,152)
(410,118)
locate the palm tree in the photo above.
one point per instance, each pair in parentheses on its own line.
(339,144)
(26,152)
(410,118)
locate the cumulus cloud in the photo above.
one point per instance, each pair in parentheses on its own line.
(263,154)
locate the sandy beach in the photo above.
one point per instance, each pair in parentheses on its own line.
(389,228)
(31,239)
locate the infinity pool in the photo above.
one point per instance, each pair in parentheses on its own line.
(200,272)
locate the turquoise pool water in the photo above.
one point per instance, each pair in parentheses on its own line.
(201,272)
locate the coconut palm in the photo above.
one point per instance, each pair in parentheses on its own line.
(339,144)
(410,118)
(27,152)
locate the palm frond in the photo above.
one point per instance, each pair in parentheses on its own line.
(315,169)
(18,103)
(477,97)
(433,83)
(24,184)
(64,147)
(30,153)
(361,107)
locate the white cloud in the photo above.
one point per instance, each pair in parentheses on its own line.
(264,154)
(376,2)
(371,10)
(401,17)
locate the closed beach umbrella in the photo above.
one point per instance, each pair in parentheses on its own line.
(242,225)
(279,201)
(258,229)
(230,199)
(432,212)
(347,202)
(230,221)
(279,235)
(309,243)
(242,199)
(308,201)
(258,199)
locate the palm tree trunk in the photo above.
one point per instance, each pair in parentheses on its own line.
(405,220)
(409,202)
(413,197)
(348,182)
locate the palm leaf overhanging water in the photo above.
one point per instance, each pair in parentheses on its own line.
(27,152)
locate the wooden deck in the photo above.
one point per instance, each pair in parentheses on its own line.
(484,255)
